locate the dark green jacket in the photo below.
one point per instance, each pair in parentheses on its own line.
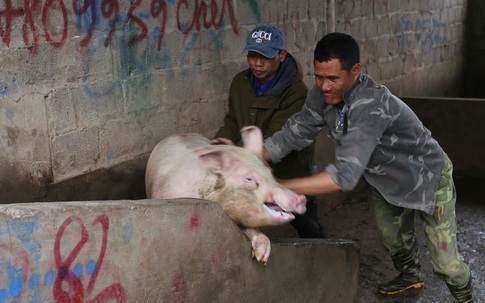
(270,112)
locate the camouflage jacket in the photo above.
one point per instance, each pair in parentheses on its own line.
(384,142)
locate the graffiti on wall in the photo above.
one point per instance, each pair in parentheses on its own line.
(138,35)
(426,32)
(37,19)
(353,8)
(71,279)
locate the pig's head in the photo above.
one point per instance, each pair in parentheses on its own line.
(241,181)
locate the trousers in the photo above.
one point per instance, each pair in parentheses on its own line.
(397,230)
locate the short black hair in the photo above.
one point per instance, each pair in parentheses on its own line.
(338,46)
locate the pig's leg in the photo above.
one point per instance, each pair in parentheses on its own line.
(260,244)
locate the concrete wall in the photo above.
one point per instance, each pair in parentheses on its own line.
(84,89)
(159,251)
(457,125)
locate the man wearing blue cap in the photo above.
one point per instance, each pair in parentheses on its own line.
(266,95)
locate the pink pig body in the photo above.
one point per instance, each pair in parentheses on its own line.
(237,178)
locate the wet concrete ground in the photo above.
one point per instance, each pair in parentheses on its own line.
(354,220)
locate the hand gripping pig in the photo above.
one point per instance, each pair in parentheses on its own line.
(237,178)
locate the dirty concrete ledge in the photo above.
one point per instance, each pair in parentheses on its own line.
(181,250)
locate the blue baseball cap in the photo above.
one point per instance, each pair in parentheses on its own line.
(266,39)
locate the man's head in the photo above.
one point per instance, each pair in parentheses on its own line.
(336,65)
(266,50)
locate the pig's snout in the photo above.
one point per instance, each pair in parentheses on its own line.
(288,200)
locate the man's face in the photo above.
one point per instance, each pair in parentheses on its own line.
(333,81)
(265,68)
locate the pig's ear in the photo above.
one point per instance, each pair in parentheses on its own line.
(214,160)
(252,138)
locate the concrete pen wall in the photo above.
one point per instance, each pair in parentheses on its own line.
(458,125)
(177,251)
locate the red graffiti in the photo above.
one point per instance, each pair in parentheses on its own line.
(49,8)
(29,25)
(194,222)
(139,22)
(81,10)
(109,11)
(18,257)
(160,7)
(6,19)
(66,277)
(208,14)
(179,287)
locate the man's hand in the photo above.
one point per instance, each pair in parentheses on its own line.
(266,155)
(222,141)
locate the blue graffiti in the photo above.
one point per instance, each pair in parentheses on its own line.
(23,230)
(428,33)
(49,278)
(8,88)
(130,64)
(127,232)
(144,57)
(16,285)
(15,279)
(91,267)
(34,281)
(78,271)
(160,59)
(3,295)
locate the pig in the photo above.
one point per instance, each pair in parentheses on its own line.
(238,178)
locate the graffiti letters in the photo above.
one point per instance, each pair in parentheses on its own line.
(105,16)
(428,33)
(72,279)
(65,275)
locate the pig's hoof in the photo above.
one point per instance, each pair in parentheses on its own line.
(261,248)
(259,243)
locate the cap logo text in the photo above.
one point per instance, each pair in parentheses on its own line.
(259,35)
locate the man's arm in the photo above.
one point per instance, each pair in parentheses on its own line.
(318,184)
(300,130)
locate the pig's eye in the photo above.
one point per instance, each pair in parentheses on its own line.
(251,183)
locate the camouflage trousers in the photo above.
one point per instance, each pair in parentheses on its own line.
(397,229)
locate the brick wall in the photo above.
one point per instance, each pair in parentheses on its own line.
(413,47)
(84,89)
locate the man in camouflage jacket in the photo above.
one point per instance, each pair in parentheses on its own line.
(381,139)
